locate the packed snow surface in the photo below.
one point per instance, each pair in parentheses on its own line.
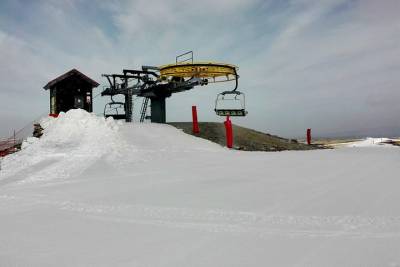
(369,142)
(92,192)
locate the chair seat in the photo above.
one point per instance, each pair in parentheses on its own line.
(117,116)
(230,112)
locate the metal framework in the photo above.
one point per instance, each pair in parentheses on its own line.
(158,83)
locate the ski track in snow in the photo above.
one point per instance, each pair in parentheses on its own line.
(220,221)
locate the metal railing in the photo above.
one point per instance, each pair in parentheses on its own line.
(185,60)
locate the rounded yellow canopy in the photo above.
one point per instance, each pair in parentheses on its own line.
(214,72)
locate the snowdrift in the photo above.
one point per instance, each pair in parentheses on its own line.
(69,143)
(77,139)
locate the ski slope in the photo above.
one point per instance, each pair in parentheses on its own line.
(367,142)
(93,192)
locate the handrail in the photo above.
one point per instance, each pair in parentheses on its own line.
(184,54)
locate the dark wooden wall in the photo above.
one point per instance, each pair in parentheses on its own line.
(67,90)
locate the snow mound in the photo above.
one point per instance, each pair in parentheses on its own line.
(76,128)
(70,143)
(369,142)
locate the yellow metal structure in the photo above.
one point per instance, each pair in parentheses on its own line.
(213,72)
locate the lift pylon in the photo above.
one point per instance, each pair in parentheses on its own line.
(158,83)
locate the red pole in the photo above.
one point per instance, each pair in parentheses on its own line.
(195,129)
(308,136)
(229,132)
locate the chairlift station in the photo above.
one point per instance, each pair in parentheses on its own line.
(157,83)
(74,89)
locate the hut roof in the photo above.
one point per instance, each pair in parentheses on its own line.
(69,74)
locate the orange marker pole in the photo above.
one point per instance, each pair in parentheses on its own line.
(195,129)
(308,136)
(229,132)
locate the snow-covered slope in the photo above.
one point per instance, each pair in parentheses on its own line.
(369,142)
(93,192)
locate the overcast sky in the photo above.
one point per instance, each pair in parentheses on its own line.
(330,65)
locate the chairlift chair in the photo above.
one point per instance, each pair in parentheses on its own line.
(230,103)
(116,110)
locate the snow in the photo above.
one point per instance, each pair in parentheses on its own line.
(94,192)
(69,144)
(29,141)
(369,142)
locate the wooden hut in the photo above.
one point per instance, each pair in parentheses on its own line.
(70,91)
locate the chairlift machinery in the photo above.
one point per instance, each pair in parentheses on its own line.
(157,83)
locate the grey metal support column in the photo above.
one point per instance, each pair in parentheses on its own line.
(128,106)
(158,109)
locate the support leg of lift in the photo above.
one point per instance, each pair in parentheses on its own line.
(128,106)
(158,109)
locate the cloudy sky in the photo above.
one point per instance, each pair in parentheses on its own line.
(330,65)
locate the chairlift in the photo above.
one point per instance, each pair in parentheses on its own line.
(116,110)
(230,103)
